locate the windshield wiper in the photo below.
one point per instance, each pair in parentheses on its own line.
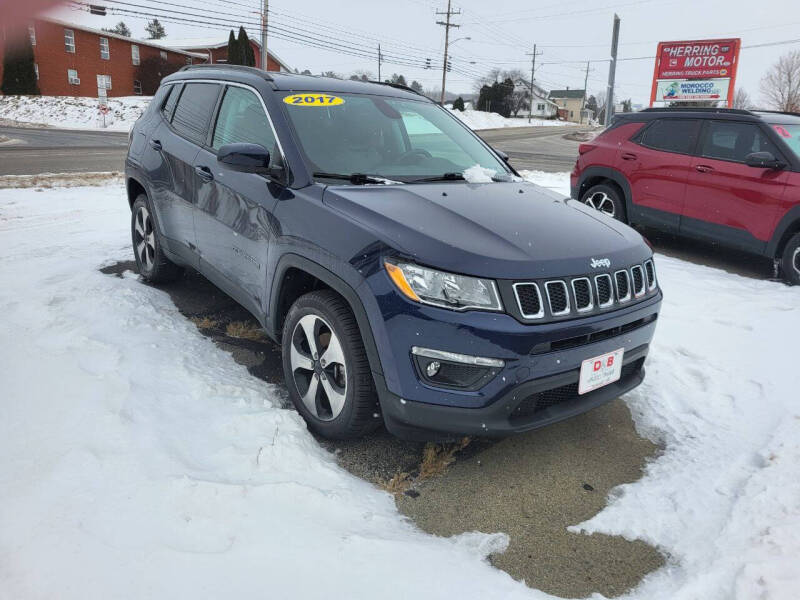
(354,178)
(442,177)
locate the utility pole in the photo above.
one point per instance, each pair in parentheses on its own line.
(533,56)
(264,25)
(380,58)
(585,83)
(447,25)
(612,71)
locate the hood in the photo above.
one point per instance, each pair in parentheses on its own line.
(499,230)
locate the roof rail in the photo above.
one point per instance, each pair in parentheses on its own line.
(776,112)
(227,67)
(736,111)
(398,86)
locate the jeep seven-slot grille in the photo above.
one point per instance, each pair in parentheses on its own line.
(584,295)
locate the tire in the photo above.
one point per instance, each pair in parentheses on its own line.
(606,198)
(153,264)
(790,264)
(337,399)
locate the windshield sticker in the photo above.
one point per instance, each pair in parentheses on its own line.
(313,100)
(782,131)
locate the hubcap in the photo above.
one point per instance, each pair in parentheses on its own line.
(144,242)
(796,260)
(318,367)
(602,202)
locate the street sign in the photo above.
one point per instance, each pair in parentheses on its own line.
(695,70)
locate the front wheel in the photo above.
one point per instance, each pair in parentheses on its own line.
(326,367)
(607,199)
(790,265)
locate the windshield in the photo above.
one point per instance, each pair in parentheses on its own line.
(389,138)
(790,135)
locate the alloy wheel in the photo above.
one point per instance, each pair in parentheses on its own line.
(796,260)
(318,367)
(144,241)
(602,202)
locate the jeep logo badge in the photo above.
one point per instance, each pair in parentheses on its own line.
(600,262)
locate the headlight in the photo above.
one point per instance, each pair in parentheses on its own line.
(457,292)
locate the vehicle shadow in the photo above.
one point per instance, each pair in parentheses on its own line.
(531,486)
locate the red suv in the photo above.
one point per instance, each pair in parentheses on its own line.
(725,175)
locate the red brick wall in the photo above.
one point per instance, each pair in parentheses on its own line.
(221,55)
(54,61)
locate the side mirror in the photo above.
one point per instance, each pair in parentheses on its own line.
(501,154)
(763,160)
(249,158)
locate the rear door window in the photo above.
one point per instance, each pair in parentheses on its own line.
(734,140)
(193,112)
(672,135)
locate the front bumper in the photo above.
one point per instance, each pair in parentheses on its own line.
(415,409)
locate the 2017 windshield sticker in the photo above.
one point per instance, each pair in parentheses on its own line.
(313,100)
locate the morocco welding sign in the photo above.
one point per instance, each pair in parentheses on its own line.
(695,70)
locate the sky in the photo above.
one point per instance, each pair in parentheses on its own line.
(501,34)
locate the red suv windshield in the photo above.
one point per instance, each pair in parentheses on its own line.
(790,135)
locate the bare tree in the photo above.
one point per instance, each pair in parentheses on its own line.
(781,85)
(742,100)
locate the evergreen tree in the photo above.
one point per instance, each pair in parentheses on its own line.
(246,54)
(416,86)
(458,104)
(233,50)
(19,76)
(155,30)
(120,29)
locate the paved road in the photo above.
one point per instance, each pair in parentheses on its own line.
(34,151)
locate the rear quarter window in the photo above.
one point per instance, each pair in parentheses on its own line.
(193,112)
(672,135)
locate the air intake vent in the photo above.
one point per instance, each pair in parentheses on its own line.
(638,280)
(623,286)
(650,271)
(529,300)
(605,293)
(558,297)
(582,289)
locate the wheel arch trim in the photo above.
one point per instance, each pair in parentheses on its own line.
(789,223)
(614,176)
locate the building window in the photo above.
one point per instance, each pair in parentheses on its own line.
(571,114)
(104,82)
(540,107)
(135,54)
(104,52)
(72,76)
(69,40)
(137,87)
(36,70)
(163,55)
(188,60)
(32,33)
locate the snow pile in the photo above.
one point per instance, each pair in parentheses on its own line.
(478,174)
(477,119)
(73,112)
(140,461)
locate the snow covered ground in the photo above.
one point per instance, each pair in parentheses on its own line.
(73,113)
(139,460)
(82,113)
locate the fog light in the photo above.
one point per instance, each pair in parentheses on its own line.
(433,368)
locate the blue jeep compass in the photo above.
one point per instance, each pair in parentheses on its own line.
(411,277)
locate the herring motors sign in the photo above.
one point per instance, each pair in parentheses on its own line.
(695,70)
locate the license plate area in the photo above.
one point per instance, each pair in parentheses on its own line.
(600,371)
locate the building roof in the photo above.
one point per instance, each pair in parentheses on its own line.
(568,94)
(212,43)
(160,45)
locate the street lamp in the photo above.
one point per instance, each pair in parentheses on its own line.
(447,45)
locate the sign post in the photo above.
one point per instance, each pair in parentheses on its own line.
(697,70)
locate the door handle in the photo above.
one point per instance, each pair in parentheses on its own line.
(204,173)
(704,168)
(155,144)
(629,156)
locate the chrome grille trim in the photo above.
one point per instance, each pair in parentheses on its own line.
(627,297)
(563,284)
(651,285)
(591,296)
(610,290)
(638,269)
(538,315)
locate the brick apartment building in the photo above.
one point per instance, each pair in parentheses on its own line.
(215,50)
(73,60)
